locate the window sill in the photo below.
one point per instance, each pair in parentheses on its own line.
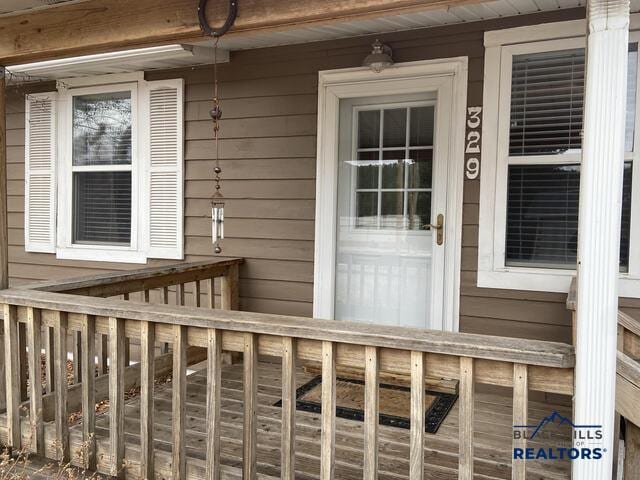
(113,255)
(547,280)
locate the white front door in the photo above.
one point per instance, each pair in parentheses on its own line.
(390,167)
(391,190)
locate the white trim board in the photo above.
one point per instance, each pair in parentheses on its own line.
(492,271)
(402,78)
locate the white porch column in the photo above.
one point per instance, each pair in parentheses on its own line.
(599,225)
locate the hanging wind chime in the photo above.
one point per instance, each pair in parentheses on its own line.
(217,200)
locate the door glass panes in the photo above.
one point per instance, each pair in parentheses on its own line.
(369,129)
(393,177)
(394,133)
(368,170)
(392,169)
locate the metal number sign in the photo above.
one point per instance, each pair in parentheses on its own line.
(472,148)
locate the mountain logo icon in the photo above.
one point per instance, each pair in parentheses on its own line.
(554,419)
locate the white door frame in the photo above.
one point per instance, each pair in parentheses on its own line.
(401,78)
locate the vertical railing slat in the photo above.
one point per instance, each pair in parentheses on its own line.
(147,376)
(229,288)
(88,335)
(22,353)
(116,395)
(180,294)
(165,295)
(179,400)
(465,420)
(146,295)
(127,343)
(12,364)
(371,380)
(34,342)
(47,341)
(60,385)
(103,354)
(211,294)
(77,356)
(164,347)
(197,293)
(520,415)
(288,439)
(214,387)
(328,415)
(250,376)
(416,452)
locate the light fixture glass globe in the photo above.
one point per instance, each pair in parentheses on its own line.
(379,58)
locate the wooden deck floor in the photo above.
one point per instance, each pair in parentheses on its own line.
(493,426)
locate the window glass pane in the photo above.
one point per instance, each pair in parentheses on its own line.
(421,127)
(102,129)
(632,82)
(367,209)
(542,216)
(547,91)
(393,169)
(368,128)
(420,167)
(367,170)
(394,133)
(392,210)
(418,210)
(102,207)
(546,102)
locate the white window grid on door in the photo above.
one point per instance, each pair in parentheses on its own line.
(355,150)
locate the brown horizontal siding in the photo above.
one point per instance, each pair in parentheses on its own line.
(268,149)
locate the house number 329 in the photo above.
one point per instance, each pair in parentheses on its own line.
(472,164)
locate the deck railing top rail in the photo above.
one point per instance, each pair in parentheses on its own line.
(530,352)
(117,283)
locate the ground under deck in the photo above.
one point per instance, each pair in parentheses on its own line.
(493,427)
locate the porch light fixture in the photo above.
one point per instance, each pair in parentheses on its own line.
(379,58)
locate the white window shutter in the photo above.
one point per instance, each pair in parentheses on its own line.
(40,171)
(166,164)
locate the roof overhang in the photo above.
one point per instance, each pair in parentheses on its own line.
(149,58)
(98,26)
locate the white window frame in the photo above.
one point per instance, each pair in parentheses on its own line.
(135,252)
(501,46)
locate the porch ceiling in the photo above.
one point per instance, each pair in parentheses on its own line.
(45,34)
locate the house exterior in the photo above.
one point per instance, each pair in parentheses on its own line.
(445,197)
(268,156)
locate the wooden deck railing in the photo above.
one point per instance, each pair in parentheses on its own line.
(627,383)
(522,365)
(166,284)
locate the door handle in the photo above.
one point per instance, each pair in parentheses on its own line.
(438,227)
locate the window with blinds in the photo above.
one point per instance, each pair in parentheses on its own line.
(542,216)
(102,207)
(547,92)
(101,166)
